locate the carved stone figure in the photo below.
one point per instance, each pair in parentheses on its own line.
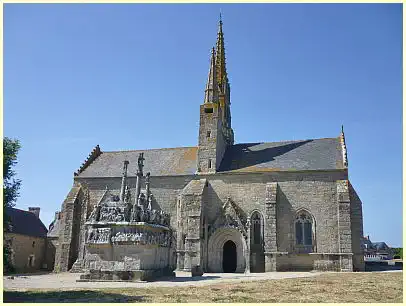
(141,200)
(141,163)
(94,214)
(127,195)
(166,219)
(152,217)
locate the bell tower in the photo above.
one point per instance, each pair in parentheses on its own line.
(215,132)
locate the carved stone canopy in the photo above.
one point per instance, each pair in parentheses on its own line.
(232,216)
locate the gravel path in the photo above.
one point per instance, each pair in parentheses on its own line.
(68,280)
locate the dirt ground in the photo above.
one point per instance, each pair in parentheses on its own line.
(365,287)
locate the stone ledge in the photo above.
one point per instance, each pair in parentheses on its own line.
(124,276)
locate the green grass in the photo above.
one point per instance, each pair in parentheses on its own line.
(331,287)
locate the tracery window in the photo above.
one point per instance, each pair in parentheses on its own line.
(304,232)
(256,228)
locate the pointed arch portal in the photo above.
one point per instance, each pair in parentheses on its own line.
(227,249)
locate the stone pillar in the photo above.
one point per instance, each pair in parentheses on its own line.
(193,243)
(344,225)
(138,187)
(82,236)
(270,243)
(193,246)
(248,250)
(137,194)
(147,191)
(123,181)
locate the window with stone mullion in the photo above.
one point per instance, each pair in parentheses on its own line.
(304,230)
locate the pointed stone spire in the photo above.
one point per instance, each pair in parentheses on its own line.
(222,79)
(344,147)
(211,93)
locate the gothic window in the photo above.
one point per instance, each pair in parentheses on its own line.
(208,134)
(256,228)
(304,232)
(209,163)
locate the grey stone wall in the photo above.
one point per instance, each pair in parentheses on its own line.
(22,247)
(207,145)
(314,191)
(210,147)
(52,245)
(69,234)
(356,230)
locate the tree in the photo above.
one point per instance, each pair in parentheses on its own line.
(11,187)
(398,253)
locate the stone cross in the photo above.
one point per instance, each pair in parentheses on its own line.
(141,163)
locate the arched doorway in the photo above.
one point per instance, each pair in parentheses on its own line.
(216,244)
(229,257)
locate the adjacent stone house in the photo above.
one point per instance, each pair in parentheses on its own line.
(27,237)
(269,206)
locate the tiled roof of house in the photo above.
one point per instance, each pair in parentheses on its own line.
(25,223)
(313,154)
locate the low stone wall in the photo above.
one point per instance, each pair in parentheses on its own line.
(313,261)
(294,262)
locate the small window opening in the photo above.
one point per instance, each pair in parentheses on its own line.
(31,261)
(33,244)
(209,163)
(208,134)
(208,110)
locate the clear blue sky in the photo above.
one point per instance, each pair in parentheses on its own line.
(133,77)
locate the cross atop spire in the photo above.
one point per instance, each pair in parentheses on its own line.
(221,57)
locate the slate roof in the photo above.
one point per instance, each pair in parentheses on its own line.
(160,162)
(54,228)
(380,245)
(25,223)
(313,154)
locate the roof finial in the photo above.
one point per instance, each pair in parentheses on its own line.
(342,128)
(220,17)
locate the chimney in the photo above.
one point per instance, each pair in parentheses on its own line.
(34,210)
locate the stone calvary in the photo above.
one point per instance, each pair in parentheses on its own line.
(125,240)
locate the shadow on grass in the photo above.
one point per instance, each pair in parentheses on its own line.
(181,279)
(79,296)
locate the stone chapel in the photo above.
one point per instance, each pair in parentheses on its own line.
(230,207)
